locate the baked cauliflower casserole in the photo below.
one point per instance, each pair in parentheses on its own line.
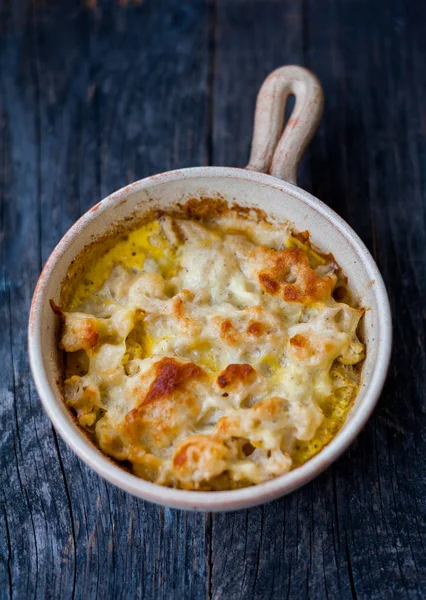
(210,350)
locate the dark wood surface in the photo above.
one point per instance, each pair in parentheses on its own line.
(91,100)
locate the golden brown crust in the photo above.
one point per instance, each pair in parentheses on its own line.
(268,284)
(255,328)
(206,208)
(299,341)
(178,303)
(228,332)
(202,208)
(170,376)
(233,374)
(270,408)
(167,408)
(302,347)
(80,333)
(287,272)
(90,336)
(158,425)
(199,458)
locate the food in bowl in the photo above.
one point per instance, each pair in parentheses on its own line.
(207,348)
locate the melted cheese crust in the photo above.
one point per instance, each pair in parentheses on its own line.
(210,355)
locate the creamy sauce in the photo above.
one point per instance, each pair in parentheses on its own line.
(131,251)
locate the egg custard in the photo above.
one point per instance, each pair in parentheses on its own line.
(210,353)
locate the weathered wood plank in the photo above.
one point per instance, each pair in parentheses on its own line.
(90,101)
(358,530)
(373,186)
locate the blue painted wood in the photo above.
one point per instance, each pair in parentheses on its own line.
(93,99)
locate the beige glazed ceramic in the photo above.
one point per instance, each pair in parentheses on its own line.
(269,183)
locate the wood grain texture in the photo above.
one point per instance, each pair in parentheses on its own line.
(359,529)
(90,100)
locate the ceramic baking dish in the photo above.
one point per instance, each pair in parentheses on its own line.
(268,183)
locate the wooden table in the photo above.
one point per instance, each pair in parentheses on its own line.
(93,99)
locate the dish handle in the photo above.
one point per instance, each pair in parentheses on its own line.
(274,150)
